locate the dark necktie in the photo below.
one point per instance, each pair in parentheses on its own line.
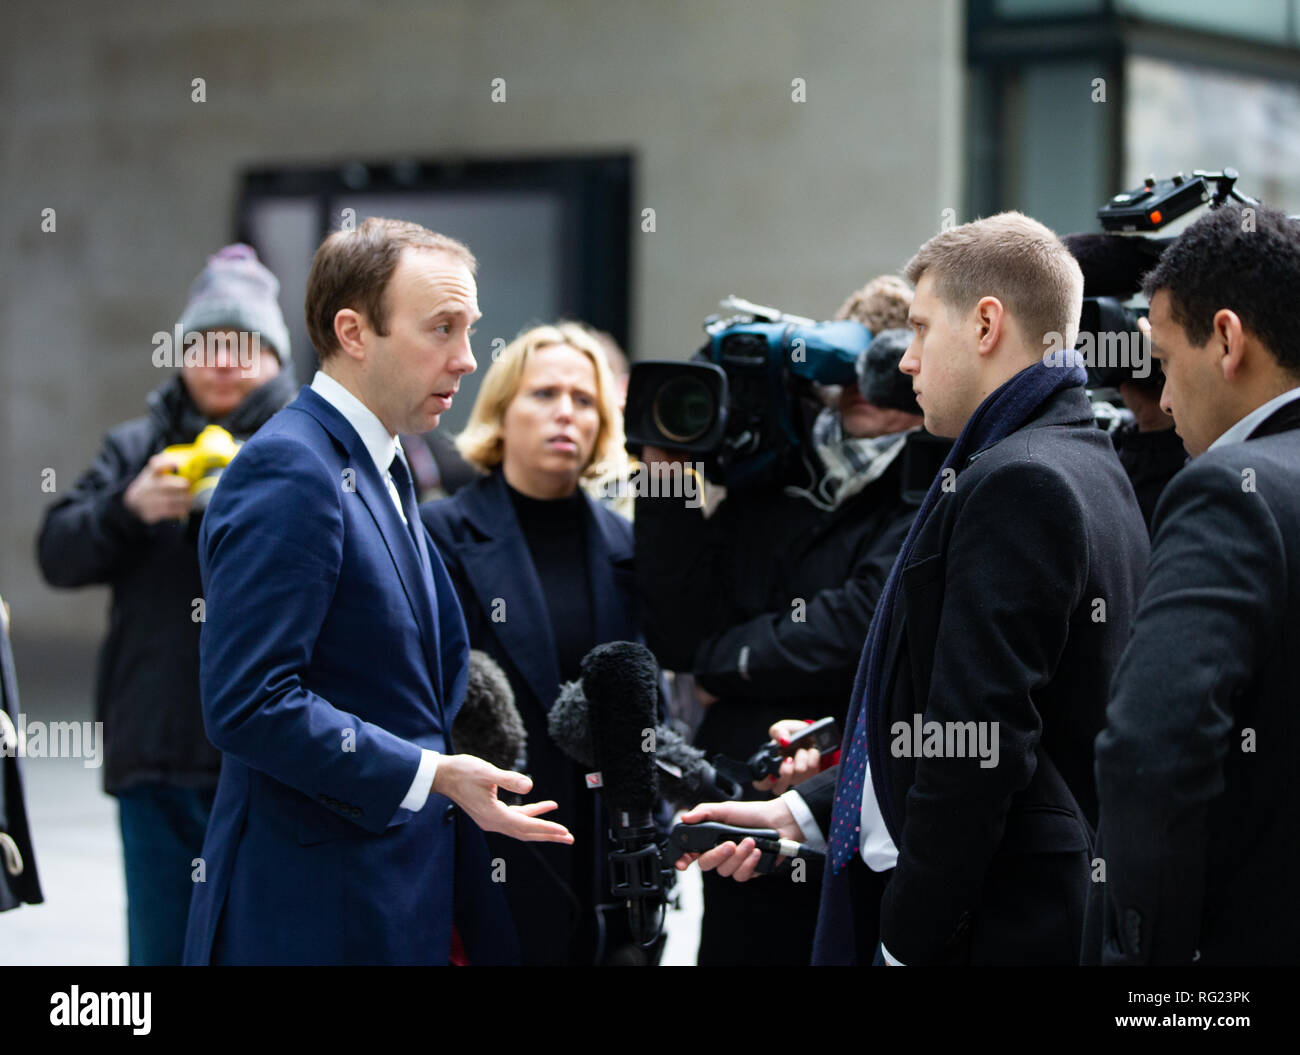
(406,492)
(846,812)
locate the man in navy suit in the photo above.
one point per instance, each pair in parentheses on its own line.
(334,654)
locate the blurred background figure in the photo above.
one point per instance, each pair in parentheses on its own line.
(848,433)
(544,574)
(610,480)
(617,360)
(18,880)
(437,468)
(767,600)
(130,521)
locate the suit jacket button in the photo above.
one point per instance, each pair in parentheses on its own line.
(448,814)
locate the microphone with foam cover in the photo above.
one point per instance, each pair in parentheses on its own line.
(488,724)
(685,774)
(1114,265)
(621,683)
(570,726)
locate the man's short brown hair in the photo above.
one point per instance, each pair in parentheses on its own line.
(352,269)
(1013,258)
(879,305)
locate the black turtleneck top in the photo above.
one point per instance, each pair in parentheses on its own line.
(555,531)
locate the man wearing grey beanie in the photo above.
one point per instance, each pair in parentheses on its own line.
(129,523)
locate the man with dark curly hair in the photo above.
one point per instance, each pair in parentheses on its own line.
(1195,768)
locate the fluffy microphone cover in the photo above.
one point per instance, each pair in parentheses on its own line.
(570,726)
(621,682)
(1114,265)
(488,725)
(569,723)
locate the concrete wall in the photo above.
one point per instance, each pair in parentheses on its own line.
(784,202)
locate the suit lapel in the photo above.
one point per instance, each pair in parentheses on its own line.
(1284,419)
(878,724)
(372,490)
(415,579)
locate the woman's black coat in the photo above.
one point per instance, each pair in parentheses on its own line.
(552,889)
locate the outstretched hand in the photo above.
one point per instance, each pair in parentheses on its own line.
(472,784)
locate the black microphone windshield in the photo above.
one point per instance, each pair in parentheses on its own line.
(569,724)
(691,778)
(1114,265)
(488,724)
(684,773)
(621,682)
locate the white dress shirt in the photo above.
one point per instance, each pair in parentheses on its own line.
(1248,424)
(382,446)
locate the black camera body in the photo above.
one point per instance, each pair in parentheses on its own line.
(737,403)
(1113,265)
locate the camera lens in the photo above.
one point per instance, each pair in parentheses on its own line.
(683,409)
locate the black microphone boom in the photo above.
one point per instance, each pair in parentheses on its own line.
(621,683)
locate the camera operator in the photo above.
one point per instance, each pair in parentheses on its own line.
(768,600)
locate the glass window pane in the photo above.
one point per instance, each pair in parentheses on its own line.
(1256,19)
(1045,8)
(1180,117)
(287,231)
(1058,146)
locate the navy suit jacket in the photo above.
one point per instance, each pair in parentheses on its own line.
(329,657)
(1197,764)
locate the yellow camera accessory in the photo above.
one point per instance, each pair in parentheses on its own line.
(203,461)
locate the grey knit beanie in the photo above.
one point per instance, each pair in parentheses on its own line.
(236,291)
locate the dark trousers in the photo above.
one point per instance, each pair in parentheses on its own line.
(766,922)
(162,834)
(867,889)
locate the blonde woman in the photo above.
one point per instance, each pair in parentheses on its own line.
(544,574)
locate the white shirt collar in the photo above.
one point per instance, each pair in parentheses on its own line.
(380,444)
(1240,431)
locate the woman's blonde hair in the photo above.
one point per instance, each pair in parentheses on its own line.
(482,444)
